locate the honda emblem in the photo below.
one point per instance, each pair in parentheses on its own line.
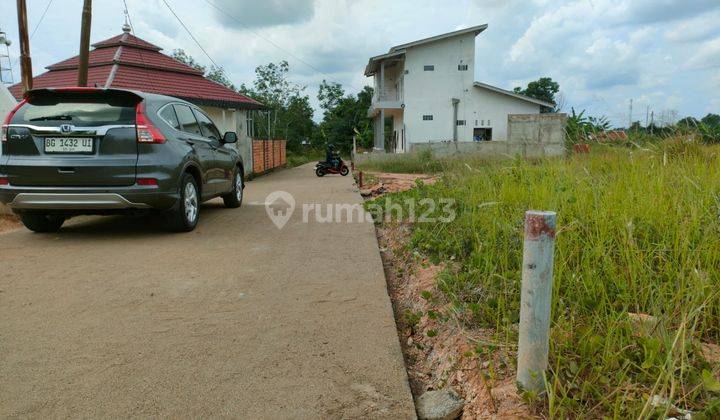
(66,128)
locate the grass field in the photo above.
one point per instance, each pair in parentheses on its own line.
(639,233)
(300,158)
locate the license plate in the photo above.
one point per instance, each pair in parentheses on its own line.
(68,145)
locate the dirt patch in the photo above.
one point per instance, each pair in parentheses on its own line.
(439,351)
(379,183)
(9,222)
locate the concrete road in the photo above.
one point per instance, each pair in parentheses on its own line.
(114,317)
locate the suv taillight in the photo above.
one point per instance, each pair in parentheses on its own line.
(8,119)
(146,131)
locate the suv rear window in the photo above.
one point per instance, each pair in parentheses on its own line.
(167,113)
(81,114)
(187,119)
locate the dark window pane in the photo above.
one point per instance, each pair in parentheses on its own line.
(187,119)
(206,125)
(81,114)
(168,115)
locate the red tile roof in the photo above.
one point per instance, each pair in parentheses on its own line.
(61,78)
(139,65)
(127,39)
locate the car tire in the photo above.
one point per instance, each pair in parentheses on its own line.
(186,213)
(234,198)
(42,223)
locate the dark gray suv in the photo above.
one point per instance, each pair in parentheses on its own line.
(73,151)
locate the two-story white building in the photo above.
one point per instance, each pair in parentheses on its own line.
(425,92)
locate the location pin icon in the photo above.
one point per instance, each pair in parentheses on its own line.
(279,206)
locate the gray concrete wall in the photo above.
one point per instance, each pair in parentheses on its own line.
(529,136)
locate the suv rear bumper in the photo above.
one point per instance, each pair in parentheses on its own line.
(55,201)
(87,200)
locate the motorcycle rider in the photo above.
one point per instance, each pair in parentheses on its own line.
(332,157)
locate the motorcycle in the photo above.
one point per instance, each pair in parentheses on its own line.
(323,168)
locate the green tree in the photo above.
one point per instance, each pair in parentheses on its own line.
(290,116)
(346,119)
(712,120)
(688,122)
(543,89)
(183,57)
(217,74)
(214,73)
(330,95)
(272,86)
(297,120)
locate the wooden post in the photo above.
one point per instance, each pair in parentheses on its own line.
(354,149)
(25,61)
(360,180)
(84,56)
(535,299)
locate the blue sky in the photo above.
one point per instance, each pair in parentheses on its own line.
(664,54)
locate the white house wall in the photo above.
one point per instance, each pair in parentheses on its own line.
(431,93)
(488,109)
(233,120)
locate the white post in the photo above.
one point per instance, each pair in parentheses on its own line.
(382,81)
(382,129)
(535,299)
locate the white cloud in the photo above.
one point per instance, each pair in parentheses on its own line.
(696,29)
(254,13)
(707,56)
(602,52)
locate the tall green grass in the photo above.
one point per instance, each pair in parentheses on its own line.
(639,232)
(306,156)
(411,163)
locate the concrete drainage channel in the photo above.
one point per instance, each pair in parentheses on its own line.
(433,404)
(444,367)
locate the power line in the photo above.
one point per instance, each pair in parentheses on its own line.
(37,26)
(41,18)
(271,42)
(192,36)
(142,58)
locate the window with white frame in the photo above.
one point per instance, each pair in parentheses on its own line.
(462,67)
(427,117)
(249,126)
(460,122)
(429,67)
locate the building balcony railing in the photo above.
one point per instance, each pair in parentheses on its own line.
(386,99)
(387,95)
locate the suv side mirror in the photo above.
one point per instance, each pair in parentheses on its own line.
(230,137)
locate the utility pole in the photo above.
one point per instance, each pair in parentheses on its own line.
(630,122)
(85,43)
(25,61)
(652,122)
(647,113)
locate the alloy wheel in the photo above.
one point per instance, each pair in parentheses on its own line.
(191,203)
